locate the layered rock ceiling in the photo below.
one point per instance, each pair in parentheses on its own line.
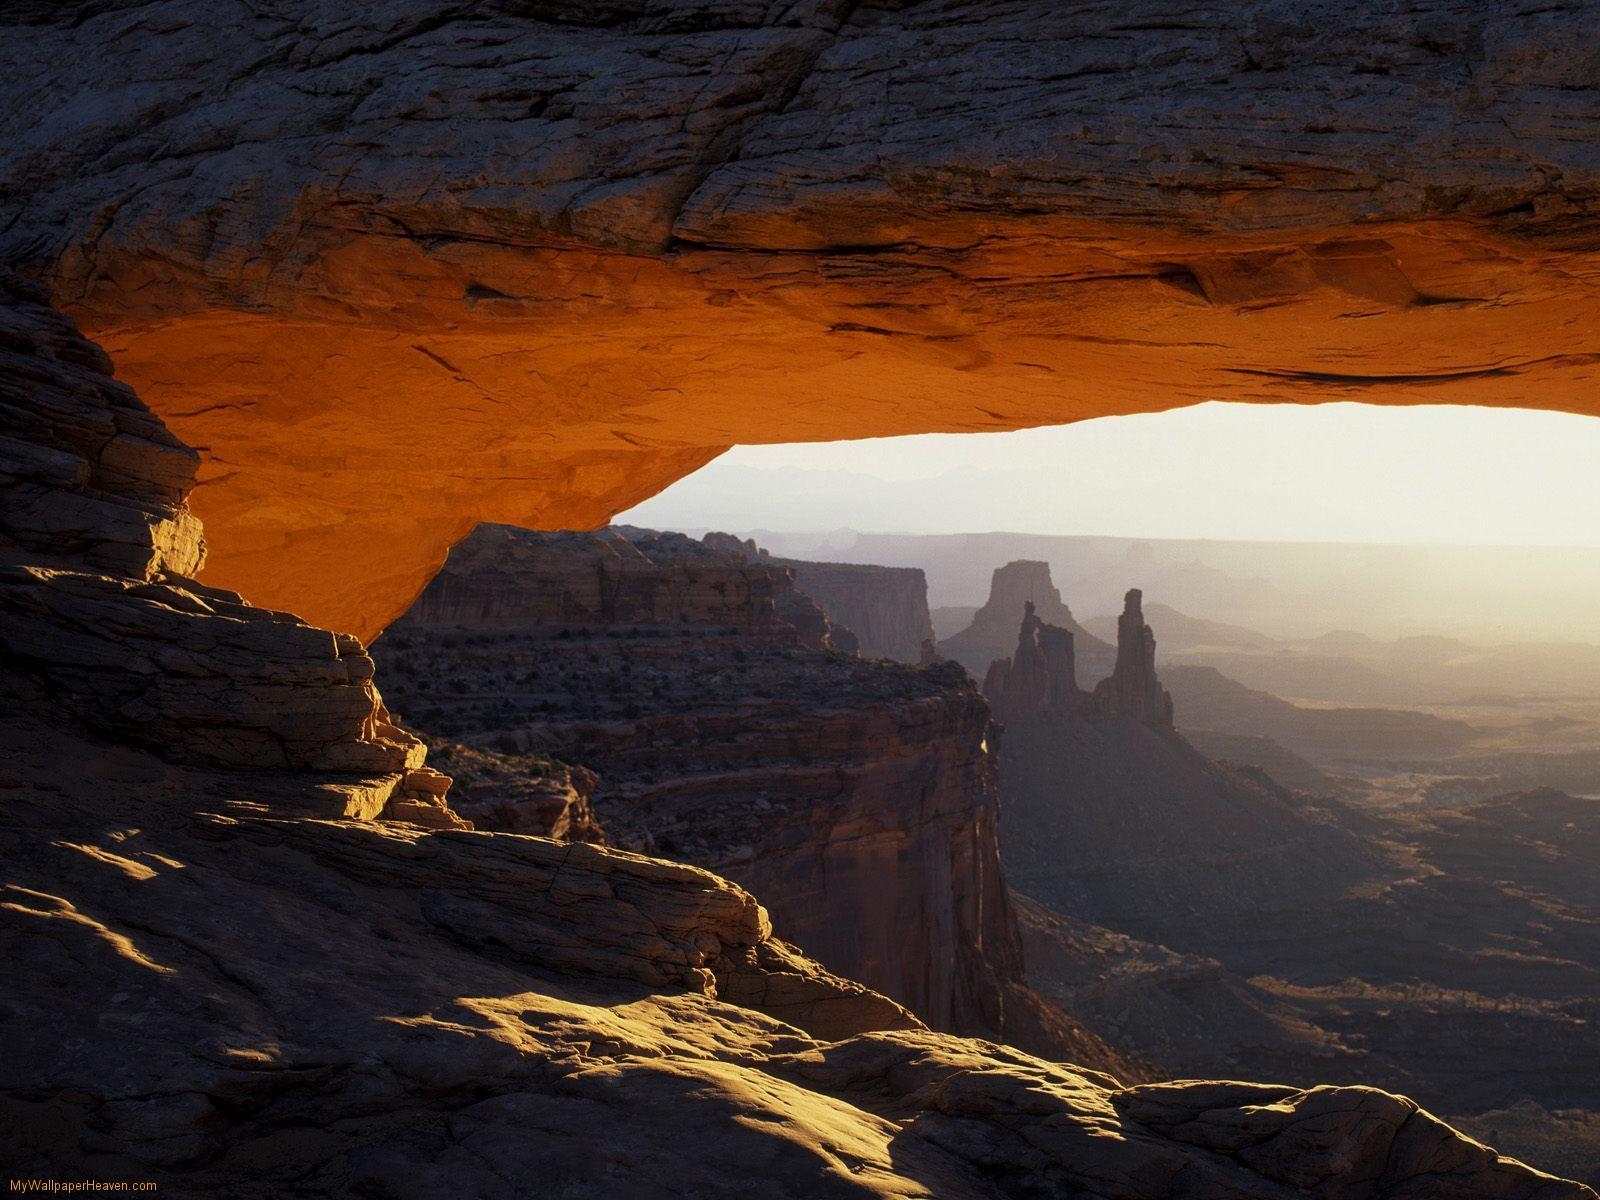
(405,267)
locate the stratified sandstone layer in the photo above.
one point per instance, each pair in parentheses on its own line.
(856,797)
(100,624)
(504,577)
(232,1003)
(886,608)
(422,264)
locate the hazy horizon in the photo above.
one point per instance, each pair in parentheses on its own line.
(1435,475)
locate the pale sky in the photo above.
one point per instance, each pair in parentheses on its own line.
(1329,472)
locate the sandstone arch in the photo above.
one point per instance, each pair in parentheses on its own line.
(441,262)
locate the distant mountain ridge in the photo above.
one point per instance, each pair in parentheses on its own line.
(1282,589)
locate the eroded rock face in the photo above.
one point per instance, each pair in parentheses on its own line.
(1133,692)
(100,624)
(856,797)
(423,265)
(885,608)
(248,1004)
(504,577)
(88,471)
(1025,587)
(520,793)
(1041,674)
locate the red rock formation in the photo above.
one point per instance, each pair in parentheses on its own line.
(601,578)
(99,622)
(520,793)
(993,632)
(820,626)
(271,732)
(619,576)
(1133,692)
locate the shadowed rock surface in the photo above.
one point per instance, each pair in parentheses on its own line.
(255,1005)
(408,267)
(102,627)
(1132,692)
(856,796)
(1464,978)
(1212,923)
(884,608)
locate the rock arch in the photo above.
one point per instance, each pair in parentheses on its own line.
(438,263)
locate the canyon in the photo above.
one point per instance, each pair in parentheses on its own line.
(1202,916)
(245,972)
(258,971)
(1112,816)
(856,797)
(358,281)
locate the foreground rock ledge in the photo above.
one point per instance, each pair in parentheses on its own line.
(427,264)
(252,1004)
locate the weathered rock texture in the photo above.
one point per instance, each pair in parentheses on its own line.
(502,577)
(231,1002)
(857,797)
(99,623)
(422,264)
(885,608)
(520,793)
(1019,586)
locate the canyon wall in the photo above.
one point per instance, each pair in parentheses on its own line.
(885,607)
(424,264)
(502,576)
(857,797)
